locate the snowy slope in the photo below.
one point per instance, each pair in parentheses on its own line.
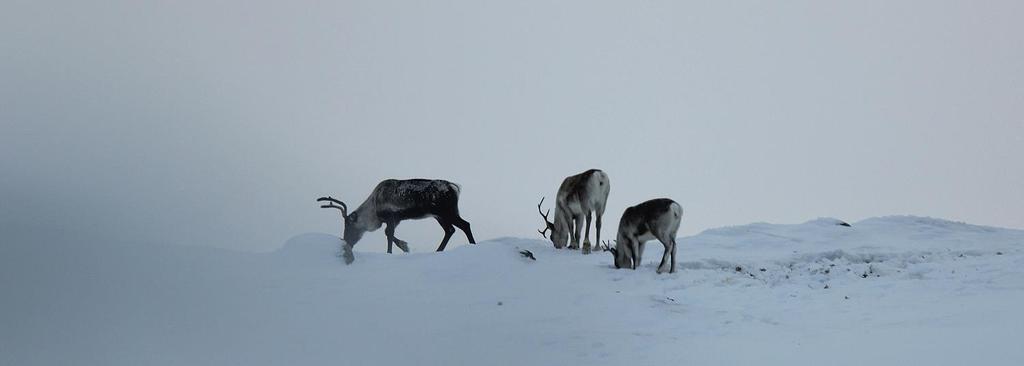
(893,290)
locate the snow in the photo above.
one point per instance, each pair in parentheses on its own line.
(890,290)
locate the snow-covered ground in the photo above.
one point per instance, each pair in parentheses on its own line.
(892,291)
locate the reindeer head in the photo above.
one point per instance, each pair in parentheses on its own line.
(354,228)
(559,235)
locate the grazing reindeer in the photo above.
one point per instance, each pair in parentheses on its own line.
(654,219)
(579,196)
(393,201)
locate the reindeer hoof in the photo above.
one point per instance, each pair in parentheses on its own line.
(402,245)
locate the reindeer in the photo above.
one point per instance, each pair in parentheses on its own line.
(579,196)
(655,219)
(394,201)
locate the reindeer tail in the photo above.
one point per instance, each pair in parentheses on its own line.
(457,188)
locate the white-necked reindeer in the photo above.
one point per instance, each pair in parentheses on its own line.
(394,201)
(655,219)
(578,197)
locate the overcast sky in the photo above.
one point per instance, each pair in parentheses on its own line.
(219,122)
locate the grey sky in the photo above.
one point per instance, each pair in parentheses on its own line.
(218,122)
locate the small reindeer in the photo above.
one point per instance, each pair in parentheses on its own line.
(655,219)
(579,197)
(394,201)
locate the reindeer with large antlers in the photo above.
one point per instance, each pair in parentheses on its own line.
(579,197)
(394,201)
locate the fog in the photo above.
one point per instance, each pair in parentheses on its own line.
(218,123)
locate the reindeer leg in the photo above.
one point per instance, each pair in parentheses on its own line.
(574,237)
(597,228)
(631,255)
(673,269)
(449,230)
(464,226)
(664,256)
(668,258)
(389,232)
(578,228)
(401,244)
(637,248)
(586,235)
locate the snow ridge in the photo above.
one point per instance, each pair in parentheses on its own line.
(898,290)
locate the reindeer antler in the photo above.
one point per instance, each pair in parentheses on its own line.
(331,204)
(547,224)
